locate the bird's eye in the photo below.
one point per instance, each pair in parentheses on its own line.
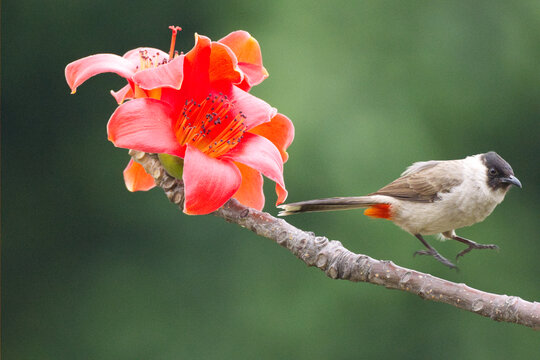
(492,172)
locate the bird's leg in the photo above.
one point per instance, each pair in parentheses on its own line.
(470,243)
(432,252)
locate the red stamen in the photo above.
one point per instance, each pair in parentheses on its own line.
(212,125)
(174,29)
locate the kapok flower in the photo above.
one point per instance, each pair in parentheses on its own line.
(196,107)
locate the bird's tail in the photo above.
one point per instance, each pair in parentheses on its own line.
(332,204)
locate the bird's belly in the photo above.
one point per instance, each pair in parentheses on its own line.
(442,215)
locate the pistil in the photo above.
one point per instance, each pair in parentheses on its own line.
(174,29)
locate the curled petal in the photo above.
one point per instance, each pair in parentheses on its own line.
(256,110)
(280,131)
(197,63)
(281,194)
(248,53)
(81,70)
(260,154)
(223,65)
(123,94)
(169,75)
(244,46)
(250,192)
(208,182)
(136,178)
(144,125)
(252,76)
(203,47)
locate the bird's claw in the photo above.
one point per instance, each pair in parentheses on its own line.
(476,246)
(437,257)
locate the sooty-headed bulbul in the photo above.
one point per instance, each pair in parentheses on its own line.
(432,197)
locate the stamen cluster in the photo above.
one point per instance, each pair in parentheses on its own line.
(213,126)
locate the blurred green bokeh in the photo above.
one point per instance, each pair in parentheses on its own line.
(91,271)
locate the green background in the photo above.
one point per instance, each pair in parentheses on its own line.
(91,271)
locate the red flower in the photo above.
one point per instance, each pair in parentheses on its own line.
(196,107)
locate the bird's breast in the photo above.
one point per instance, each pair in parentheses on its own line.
(465,205)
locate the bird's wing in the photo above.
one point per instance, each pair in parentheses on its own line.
(419,166)
(423,182)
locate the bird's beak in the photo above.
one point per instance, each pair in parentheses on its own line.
(512,180)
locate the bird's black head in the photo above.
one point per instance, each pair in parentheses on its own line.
(499,173)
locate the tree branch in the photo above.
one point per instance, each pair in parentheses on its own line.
(339,263)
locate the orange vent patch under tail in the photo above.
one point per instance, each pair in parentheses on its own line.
(381,211)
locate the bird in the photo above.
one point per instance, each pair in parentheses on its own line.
(432,197)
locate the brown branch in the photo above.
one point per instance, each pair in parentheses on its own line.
(339,263)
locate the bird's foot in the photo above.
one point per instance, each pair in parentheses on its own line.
(437,256)
(473,245)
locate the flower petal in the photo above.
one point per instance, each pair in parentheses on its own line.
(196,65)
(81,70)
(196,83)
(250,192)
(244,46)
(256,110)
(169,75)
(144,125)
(136,178)
(248,53)
(260,154)
(223,65)
(253,75)
(208,182)
(122,94)
(280,131)
(281,194)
